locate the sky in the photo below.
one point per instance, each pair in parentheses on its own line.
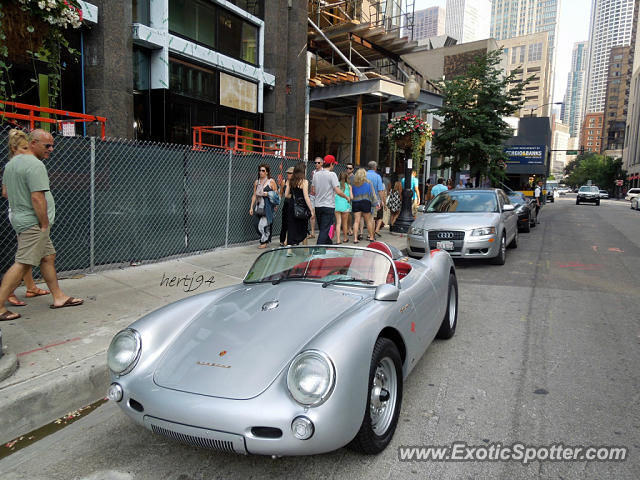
(573,27)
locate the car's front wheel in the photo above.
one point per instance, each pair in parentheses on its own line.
(502,252)
(450,320)
(384,399)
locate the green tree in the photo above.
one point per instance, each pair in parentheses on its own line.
(601,170)
(474,104)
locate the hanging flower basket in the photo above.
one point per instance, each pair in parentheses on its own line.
(404,141)
(410,133)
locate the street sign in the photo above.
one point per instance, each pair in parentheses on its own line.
(619,183)
(572,152)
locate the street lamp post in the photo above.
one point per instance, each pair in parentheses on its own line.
(411,92)
(531,110)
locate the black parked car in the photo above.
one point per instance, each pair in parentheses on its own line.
(526,210)
(588,193)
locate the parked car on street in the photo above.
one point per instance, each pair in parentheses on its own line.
(603,194)
(635,203)
(308,354)
(589,194)
(525,208)
(631,193)
(472,223)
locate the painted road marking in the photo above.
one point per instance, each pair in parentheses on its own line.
(49,346)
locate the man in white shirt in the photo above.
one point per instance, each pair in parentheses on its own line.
(325,185)
(538,196)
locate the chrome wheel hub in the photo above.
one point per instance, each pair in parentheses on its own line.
(384,391)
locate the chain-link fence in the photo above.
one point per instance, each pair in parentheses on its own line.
(122,201)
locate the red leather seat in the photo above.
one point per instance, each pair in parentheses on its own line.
(403,268)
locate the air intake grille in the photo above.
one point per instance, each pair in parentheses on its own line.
(219,445)
(440,235)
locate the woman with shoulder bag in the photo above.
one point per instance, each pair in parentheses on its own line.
(297,190)
(261,207)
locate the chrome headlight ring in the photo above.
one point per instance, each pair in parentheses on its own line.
(311,378)
(124,351)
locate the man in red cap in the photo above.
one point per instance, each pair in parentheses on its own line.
(325,185)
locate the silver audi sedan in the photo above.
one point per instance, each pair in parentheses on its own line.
(469,223)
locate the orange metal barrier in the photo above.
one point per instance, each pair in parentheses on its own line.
(30,115)
(240,139)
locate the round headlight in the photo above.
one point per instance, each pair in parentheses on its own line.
(311,378)
(124,351)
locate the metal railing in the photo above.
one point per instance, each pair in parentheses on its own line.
(35,114)
(245,140)
(124,201)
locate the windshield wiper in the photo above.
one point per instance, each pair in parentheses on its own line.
(346,279)
(292,277)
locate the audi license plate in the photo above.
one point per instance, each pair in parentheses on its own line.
(447,245)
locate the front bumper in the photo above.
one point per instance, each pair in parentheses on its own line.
(588,198)
(485,246)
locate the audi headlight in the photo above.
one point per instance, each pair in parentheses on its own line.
(311,378)
(124,351)
(416,231)
(483,231)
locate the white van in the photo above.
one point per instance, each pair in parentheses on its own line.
(633,192)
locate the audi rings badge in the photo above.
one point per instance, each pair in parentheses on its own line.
(445,235)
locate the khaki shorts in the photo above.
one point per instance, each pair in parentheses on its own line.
(33,246)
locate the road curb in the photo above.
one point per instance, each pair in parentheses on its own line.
(31,404)
(8,365)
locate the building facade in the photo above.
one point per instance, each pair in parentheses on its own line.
(429,22)
(573,105)
(631,152)
(467,20)
(611,25)
(559,145)
(615,110)
(529,55)
(591,136)
(515,18)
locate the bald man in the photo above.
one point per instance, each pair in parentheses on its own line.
(32,214)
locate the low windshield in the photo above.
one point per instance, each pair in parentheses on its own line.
(460,201)
(587,188)
(338,265)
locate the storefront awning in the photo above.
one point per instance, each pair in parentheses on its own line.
(378,95)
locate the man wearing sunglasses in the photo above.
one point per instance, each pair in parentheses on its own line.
(32,214)
(318,162)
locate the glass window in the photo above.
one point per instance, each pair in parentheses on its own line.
(140,11)
(194,20)
(192,80)
(237,38)
(140,68)
(254,7)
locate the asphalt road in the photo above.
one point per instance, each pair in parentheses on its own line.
(547,351)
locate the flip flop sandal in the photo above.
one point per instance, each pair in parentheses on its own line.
(13,300)
(6,316)
(37,292)
(69,303)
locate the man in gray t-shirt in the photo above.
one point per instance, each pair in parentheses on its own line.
(325,185)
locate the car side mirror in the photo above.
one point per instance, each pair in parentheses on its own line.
(387,293)
(508,208)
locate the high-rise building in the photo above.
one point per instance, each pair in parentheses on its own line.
(591,135)
(429,22)
(467,20)
(528,55)
(631,152)
(515,18)
(615,108)
(611,24)
(573,106)
(559,148)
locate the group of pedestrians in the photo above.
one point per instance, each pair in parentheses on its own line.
(25,183)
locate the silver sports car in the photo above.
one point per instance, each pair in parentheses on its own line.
(308,354)
(469,223)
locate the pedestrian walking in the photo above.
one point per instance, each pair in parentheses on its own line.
(395,202)
(449,184)
(318,162)
(261,208)
(326,186)
(415,191)
(461,184)
(438,188)
(363,202)
(19,144)
(351,174)
(32,214)
(343,207)
(378,186)
(285,207)
(537,193)
(297,191)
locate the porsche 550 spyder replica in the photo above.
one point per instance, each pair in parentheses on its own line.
(308,354)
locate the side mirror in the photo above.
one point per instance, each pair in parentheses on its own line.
(387,293)
(508,208)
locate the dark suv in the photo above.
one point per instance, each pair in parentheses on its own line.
(588,193)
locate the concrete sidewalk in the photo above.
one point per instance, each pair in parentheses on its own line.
(62,352)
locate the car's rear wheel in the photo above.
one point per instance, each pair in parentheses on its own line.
(450,320)
(502,252)
(384,399)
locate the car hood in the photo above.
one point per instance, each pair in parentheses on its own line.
(459,221)
(235,349)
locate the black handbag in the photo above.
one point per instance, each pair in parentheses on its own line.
(300,209)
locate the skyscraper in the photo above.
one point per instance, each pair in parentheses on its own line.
(429,22)
(574,97)
(611,23)
(467,20)
(514,18)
